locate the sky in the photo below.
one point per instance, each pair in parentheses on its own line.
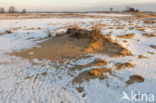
(78,5)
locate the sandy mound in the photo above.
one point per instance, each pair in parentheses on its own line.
(75,42)
(149,34)
(92,74)
(149,22)
(96,62)
(123,65)
(153,46)
(135,78)
(127,36)
(142,57)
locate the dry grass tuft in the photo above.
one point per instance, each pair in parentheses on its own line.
(76,26)
(49,34)
(78,33)
(96,32)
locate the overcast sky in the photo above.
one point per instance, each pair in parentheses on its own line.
(77,5)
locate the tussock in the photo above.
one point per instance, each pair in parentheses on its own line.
(49,34)
(96,32)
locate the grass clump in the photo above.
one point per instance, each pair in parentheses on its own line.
(96,32)
(49,34)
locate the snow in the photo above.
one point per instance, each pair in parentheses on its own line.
(22,81)
(108,15)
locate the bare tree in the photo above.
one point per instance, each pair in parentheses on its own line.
(24,11)
(2,10)
(12,9)
(111,9)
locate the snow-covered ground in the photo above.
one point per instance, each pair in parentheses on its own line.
(43,81)
(109,14)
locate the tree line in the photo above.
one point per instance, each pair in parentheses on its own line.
(11,9)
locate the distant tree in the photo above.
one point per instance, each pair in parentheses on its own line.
(24,11)
(111,9)
(12,9)
(2,10)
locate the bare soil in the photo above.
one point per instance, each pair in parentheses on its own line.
(92,74)
(153,46)
(124,65)
(74,43)
(135,78)
(130,35)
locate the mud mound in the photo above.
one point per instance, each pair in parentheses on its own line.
(130,35)
(135,78)
(153,46)
(124,65)
(99,72)
(149,22)
(78,33)
(149,34)
(96,62)
(100,61)
(107,46)
(142,57)
(73,43)
(92,74)
(79,89)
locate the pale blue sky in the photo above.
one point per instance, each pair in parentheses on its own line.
(63,5)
